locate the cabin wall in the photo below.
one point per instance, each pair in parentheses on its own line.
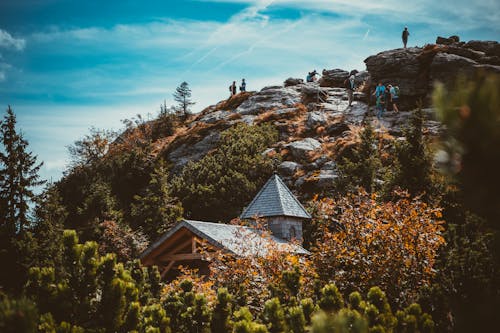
(285,227)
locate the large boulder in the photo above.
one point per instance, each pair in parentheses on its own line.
(315,119)
(333,78)
(491,48)
(288,168)
(300,149)
(275,97)
(313,93)
(400,67)
(293,82)
(447,41)
(445,67)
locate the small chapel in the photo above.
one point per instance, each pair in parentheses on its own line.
(274,204)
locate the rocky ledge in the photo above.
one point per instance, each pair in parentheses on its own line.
(316,125)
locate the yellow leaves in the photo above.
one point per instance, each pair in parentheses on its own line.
(389,244)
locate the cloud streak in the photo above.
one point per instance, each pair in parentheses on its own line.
(9,42)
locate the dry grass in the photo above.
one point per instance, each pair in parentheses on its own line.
(234,116)
(234,101)
(189,136)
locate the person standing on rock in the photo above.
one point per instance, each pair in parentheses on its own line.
(232,88)
(394,97)
(404,36)
(243,86)
(380,106)
(380,90)
(388,98)
(349,86)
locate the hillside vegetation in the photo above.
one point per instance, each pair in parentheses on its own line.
(404,235)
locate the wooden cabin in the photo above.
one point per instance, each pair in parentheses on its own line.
(274,203)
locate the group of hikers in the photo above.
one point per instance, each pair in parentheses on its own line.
(232,87)
(311,76)
(386,98)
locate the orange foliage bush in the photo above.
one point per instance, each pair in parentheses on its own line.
(365,243)
(251,276)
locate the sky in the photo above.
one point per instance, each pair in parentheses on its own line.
(68,65)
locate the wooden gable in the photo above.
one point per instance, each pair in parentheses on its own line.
(181,248)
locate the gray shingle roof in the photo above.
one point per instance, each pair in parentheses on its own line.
(237,239)
(275,199)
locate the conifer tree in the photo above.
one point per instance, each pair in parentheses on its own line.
(156,210)
(412,169)
(50,215)
(18,175)
(361,168)
(182,96)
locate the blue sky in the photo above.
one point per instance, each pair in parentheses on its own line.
(67,65)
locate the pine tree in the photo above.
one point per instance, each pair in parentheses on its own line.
(18,175)
(412,168)
(50,215)
(156,210)
(361,168)
(182,96)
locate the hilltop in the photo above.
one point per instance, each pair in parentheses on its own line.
(314,121)
(299,130)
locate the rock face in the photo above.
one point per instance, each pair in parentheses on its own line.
(269,98)
(301,149)
(447,41)
(415,70)
(313,120)
(292,82)
(333,78)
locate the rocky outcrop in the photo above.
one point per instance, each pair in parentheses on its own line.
(333,78)
(269,98)
(301,149)
(314,122)
(415,70)
(292,82)
(447,41)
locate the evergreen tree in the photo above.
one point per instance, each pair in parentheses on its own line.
(219,185)
(18,175)
(182,96)
(412,169)
(50,215)
(362,166)
(156,210)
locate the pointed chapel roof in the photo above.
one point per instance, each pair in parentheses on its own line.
(275,199)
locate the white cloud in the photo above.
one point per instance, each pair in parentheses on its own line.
(2,76)
(470,15)
(7,41)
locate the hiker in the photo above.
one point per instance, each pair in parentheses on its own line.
(388,98)
(232,88)
(380,102)
(311,76)
(380,106)
(394,97)
(349,86)
(379,90)
(243,86)
(404,36)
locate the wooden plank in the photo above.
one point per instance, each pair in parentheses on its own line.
(179,247)
(193,244)
(151,258)
(165,271)
(181,256)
